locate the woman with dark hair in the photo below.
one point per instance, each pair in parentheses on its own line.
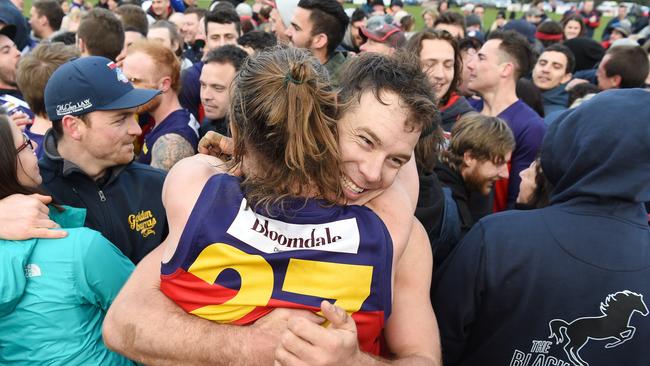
(573,27)
(55,292)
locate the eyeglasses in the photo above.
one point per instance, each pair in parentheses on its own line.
(26,142)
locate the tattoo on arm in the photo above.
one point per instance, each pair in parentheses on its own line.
(168,150)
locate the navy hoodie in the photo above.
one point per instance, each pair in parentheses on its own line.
(567,284)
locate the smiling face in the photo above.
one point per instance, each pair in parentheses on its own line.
(572,29)
(550,70)
(190,28)
(374,142)
(480,175)
(159,7)
(437,59)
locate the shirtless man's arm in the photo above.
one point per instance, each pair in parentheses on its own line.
(146,326)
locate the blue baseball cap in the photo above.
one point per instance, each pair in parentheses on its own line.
(88,84)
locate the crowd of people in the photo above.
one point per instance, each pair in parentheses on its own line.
(299,182)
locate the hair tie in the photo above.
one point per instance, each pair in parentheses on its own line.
(288,78)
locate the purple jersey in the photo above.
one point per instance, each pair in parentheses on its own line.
(234,264)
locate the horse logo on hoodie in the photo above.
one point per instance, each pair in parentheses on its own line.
(614,324)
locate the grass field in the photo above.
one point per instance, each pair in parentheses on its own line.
(490,15)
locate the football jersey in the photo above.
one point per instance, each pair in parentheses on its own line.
(235,264)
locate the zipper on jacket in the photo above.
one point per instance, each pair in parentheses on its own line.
(102,197)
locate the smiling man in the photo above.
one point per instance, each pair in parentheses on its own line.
(388,102)
(88,160)
(552,71)
(478,156)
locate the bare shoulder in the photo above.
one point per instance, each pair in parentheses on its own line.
(169,149)
(395,207)
(182,188)
(189,176)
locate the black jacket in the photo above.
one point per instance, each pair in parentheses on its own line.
(125,205)
(461,195)
(566,284)
(451,113)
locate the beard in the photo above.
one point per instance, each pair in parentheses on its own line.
(150,105)
(478,183)
(8,77)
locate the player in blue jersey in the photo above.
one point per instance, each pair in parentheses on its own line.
(377,131)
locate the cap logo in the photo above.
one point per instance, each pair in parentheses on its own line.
(70,108)
(120,75)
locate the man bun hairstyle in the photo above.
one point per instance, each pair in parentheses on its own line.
(283,112)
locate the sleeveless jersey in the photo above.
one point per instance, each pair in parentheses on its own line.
(234,264)
(180,122)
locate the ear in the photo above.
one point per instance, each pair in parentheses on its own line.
(81,45)
(319,41)
(468,160)
(165,84)
(616,80)
(507,69)
(73,127)
(566,78)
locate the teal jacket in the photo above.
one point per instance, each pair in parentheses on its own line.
(54,294)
